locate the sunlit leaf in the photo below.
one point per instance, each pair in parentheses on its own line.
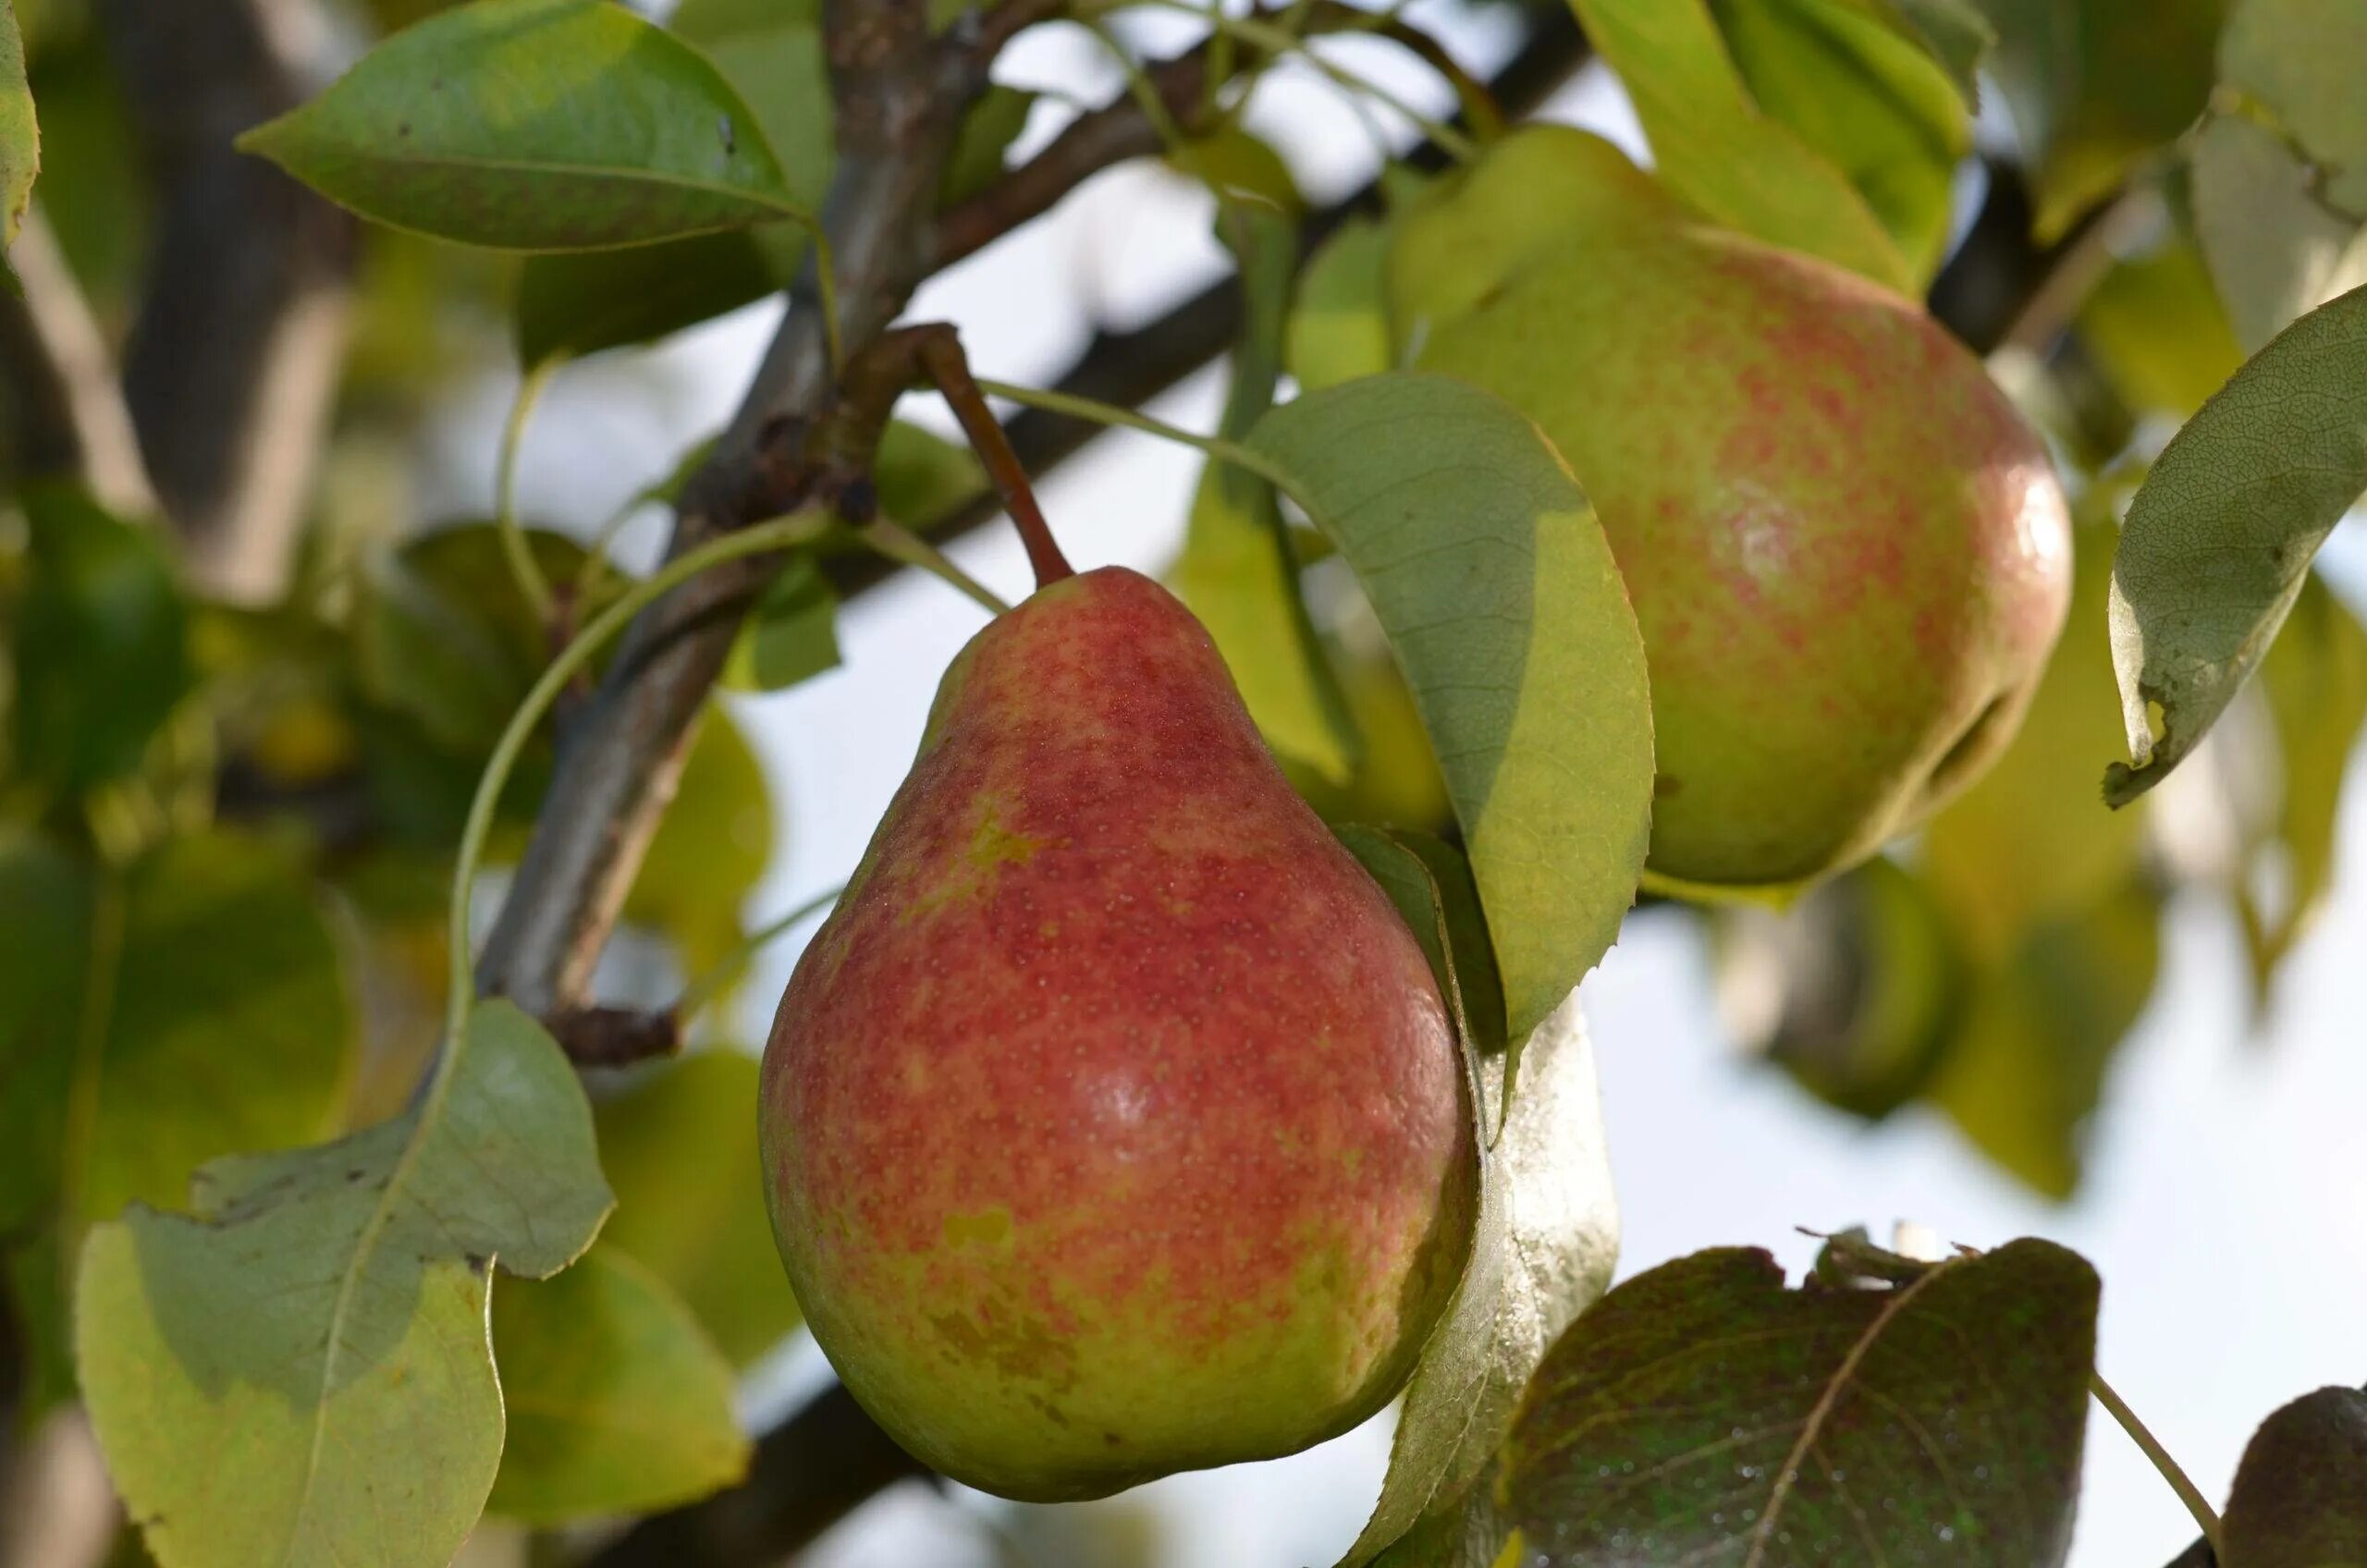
(617,1402)
(1714,147)
(1703,1412)
(2276,250)
(2315,679)
(680,1149)
(2026,1069)
(2157,330)
(1546,1237)
(711,848)
(1865,95)
(1497,590)
(19,135)
(2219,539)
(1238,571)
(301,1372)
(101,642)
(536,125)
(2096,85)
(2301,1494)
(1954,31)
(2299,61)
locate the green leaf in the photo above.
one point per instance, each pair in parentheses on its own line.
(2315,679)
(101,643)
(1546,1237)
(922,478)
(2025,1070)
(1714,146)
(1500,601)
(2097,85)
(577,305)
(1338,327)
(19,135)
(2219,539)
(1430,882)
(2277,252)
(2030,840)
(680,1148)
(1238,572)
(1703,1412)
(1954,31)
(1852,991)
(2298,60)
(771,54)
(2157,331)
(536,125)
(616,1401)
(302,1373)
(710,849)
(1866,96)
(988,129)
(790,633)
(2301,1494)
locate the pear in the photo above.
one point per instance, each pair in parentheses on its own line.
(1113,1124)
(1848,554)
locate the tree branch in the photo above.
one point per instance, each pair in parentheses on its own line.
(232,362)
(67,414)
(900,98)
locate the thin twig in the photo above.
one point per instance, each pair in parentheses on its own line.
(69,415)
(2181,1483)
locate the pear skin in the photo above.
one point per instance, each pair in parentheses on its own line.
(1113,1124)
(1848,554)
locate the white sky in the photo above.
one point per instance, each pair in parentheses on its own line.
(2225,1203)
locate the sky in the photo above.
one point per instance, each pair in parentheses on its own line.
(2226,1204)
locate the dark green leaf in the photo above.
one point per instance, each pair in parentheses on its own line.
(2301,1494)
(536,124)
(2026,1068)
(101,638)
(922,477)
(993,123)
(1400,874)
(1713,147)
(2277,252)
(1545,1241)
(617,1402)
(2218,541)
(2095,85)
(680,1148)
(1481,988)
(1238,572)
(2298,60)
(1499,595)
(1955,32)
(19,136)
(1866,97)
(302,1373)
(791,634)
(1703,1412)
(1852,991)
(573,305)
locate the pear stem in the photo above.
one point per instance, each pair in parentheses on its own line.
(941,356)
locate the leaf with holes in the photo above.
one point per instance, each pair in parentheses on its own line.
(2219,539)
(2301,1494)
(301,1372)
(1543,1249)
(1499,597)
(536,124)
(1714,147)
(1703,1411)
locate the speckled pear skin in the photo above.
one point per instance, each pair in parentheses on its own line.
(1849,556)
(1113,1124)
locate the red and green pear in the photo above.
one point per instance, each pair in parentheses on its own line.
(1848,554)
(1113,1124)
